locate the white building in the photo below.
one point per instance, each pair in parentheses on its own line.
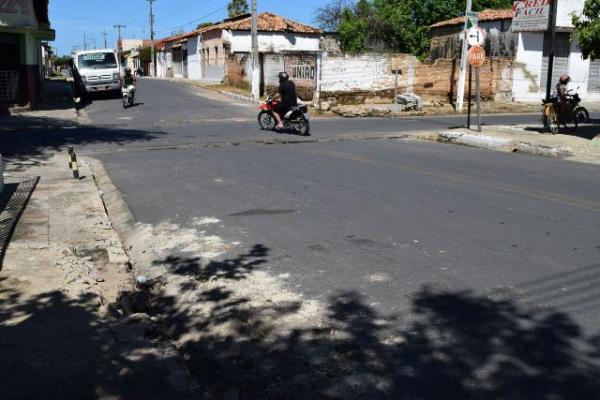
(531,59)
(222,50)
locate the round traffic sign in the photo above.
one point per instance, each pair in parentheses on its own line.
(476,56)
(476,36)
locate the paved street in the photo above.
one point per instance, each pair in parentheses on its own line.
(386,220)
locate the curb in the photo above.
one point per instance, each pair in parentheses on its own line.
(501,144)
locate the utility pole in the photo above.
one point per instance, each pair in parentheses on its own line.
(84,42)
(255,63)
(152,51)
(553,13)
(119,27)
(463,63)
(105,39)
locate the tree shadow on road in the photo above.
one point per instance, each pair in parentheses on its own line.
(53,346)
(27,140)
(450,344)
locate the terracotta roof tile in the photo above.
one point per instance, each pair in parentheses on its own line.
(485,15)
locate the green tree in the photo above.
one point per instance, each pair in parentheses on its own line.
(400,25)
(146,55)
(204,25)
(587,29)
(237,7)
(62,61)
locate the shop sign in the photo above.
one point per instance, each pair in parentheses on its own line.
(531,15)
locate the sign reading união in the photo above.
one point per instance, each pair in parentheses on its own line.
(531,15)
(17,13)
(302,69)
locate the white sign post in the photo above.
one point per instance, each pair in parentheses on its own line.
(471,19)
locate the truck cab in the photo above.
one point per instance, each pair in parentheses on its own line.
(97,71)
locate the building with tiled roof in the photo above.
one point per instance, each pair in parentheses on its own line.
(222,51)
(484,16)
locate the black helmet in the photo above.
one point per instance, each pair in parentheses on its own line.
(127,70)
(283,76)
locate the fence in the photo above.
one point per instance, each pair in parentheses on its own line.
(9,85)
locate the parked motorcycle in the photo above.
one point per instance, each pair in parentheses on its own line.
(128,95)
(295,119)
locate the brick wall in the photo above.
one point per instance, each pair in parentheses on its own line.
(356,79)
(239,70)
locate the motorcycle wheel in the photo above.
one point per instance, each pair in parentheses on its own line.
(125,103)
(303,127)
(266,121)
(582,115)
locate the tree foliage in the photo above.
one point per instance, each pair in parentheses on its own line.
(395,25)
(587,27)
(146,55)
(329,16)
(237,7)
(204,25)
(62,61)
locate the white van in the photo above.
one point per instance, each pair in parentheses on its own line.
(97,71)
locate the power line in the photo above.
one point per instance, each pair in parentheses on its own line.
(195,20)
(187,11)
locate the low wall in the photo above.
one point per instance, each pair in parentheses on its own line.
(356,79)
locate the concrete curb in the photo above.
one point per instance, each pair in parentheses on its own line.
(485,142)
(501,144)
(123,222)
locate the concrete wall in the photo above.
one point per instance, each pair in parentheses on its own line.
(529,76)
(271,42)
(565,10)
(355,79)
(193,52)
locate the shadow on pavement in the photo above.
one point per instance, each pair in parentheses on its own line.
(450,344)
(54,347)
(585,131)
(13,200)
(45,135)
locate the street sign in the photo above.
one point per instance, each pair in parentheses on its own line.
(471,19)
(476,56)
(476,36)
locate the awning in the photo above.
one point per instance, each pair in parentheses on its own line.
(41,34)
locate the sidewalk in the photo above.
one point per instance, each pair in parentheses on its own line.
(530,140)
(72,321)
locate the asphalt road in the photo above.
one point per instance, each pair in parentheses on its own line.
(381,217)
(383,220)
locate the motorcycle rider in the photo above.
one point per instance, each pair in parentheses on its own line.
(286,96)
(564,100)
(128,79)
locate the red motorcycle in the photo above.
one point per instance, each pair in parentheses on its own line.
(296,119)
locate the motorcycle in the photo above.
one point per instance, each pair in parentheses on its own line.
(296,118)
(128,95)
(580,114)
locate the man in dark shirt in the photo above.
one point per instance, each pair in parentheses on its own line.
(286,96)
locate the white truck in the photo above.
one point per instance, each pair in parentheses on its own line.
(97,71)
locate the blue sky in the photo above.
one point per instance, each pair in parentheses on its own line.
(72,18)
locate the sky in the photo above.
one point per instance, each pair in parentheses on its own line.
(72,19)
